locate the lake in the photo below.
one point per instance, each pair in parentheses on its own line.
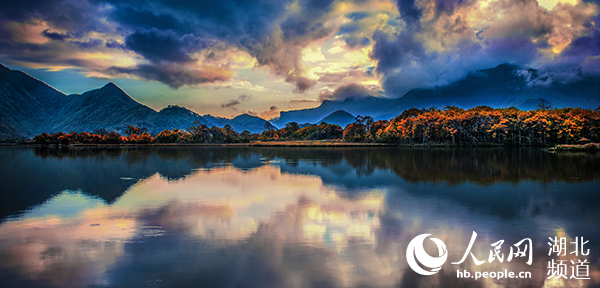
(297,217)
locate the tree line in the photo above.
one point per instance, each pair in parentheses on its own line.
(449,126)
(481,126)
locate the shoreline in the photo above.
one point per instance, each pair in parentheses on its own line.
(316,143)
(589,147)
(299,143)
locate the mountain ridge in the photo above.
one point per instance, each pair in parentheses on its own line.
(29,107)
(505,85)
(339,117)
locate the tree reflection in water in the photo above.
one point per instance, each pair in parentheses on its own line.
(282,217)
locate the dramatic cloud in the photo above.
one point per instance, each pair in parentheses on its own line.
(55,36)
(267,30)
(71,15)
(319,49)
(156,45)
(174,75)
(349,91)
(436,42)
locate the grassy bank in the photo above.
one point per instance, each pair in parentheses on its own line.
(590,147)
(315,143)
(277,143)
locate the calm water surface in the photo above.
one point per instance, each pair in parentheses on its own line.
(289,217)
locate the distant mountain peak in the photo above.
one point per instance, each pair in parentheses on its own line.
(110,86)
(340,112)
(245,115)
(339,117)
(111,90)
(109,94)
(175,107)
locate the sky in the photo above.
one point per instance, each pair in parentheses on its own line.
(262,57)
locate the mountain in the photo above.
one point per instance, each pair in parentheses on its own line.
(251,123)
(339,117)
(107,108)
(241,122)
(112,109)
(217,121)
(367,105)
(26,104)
(174,116)
(508,85)
(29,107)
(502,86)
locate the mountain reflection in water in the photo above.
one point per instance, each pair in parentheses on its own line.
(285,217)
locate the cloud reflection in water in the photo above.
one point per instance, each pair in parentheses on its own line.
(293,222)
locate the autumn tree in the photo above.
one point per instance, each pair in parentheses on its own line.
(131,130)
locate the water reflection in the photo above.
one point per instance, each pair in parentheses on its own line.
(222,217)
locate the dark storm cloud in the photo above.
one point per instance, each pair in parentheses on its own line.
(406,61)
(92,43)
(295,26)
(55,36)
(169,32)
(406,64)
(173,75)
(157,45)
(516,49)
(49,54)
(237,22)
(394,51)
(49,33)
(75,16)
(145,18)
(184,27)
(584,46)
(409,12)
(579,57)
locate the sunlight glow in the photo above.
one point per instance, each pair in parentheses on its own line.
(550,4)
